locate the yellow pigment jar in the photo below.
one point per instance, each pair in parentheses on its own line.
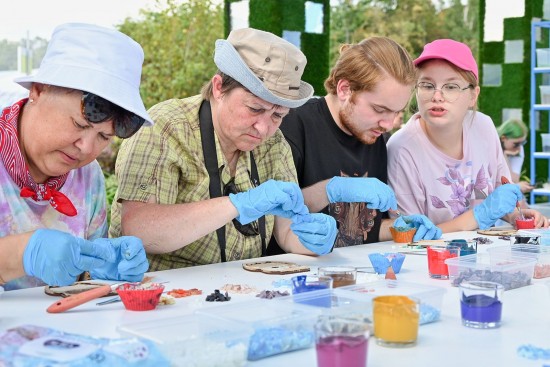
(395,320)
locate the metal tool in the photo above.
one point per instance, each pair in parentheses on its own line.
(81,298)
(394,214)
(109,301)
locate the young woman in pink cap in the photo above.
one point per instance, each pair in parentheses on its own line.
(447,162)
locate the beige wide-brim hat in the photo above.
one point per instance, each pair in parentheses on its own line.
(94,59)
(268,66)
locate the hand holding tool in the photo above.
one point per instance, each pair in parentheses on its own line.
(368,190)
(273,197)
(128,260)
(58,258)
(505,181)
(425,229)
(317,232)
(499,203)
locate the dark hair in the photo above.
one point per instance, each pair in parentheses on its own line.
(228,84)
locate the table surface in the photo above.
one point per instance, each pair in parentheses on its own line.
(525,319)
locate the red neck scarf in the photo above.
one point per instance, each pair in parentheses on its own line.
(15,164)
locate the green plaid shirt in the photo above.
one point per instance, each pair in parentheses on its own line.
(166,160)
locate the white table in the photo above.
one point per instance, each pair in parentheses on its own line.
(526,312)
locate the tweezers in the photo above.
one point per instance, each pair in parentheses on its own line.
(109,301)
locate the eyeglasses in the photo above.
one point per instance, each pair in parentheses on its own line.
(97,109)
(250,229)
(517,144)
(450,91)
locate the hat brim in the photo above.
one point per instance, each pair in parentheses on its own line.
(229,61)
(118,89)
(462,66)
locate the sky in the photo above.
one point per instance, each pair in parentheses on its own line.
(40,17)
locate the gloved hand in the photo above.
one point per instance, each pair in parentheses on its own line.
(280,198)
(317,232)
(58,258)
(372,191)
(499,203)
(128,261)
(425,229)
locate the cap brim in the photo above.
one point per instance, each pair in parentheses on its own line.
(421,59)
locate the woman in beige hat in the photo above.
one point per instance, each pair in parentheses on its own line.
(53,198)
(214,178)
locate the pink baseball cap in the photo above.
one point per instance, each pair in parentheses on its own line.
(457,53)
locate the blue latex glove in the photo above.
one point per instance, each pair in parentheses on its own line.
(372,191)
(425,229)
(317,232)
(58,258)
(499,203)
(280,198)
(128,262)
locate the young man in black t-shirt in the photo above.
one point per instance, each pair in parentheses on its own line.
(336,142)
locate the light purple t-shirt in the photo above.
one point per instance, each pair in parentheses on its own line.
(86,189)
(428,182)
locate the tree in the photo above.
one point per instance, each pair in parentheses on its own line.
(178,41)
(411,23)
(8,52)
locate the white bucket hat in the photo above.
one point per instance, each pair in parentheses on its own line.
(94,59)
(268,66)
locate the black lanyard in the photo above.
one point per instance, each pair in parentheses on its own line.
(211,161)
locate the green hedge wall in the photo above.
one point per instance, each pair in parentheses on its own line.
(277,15)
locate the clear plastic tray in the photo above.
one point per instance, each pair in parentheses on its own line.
(332,302)
(508,269)
(542,232)
(540,253)
(278,327)
(195,340)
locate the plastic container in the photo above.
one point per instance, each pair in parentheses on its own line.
(544,234)
(278,327)
(540,253)
(333,303)
(341,275)
(544,94)
(508,269)
(430,298)
(195,340)
(543,57)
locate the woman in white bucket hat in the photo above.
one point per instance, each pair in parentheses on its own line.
(206,154)
(53,194)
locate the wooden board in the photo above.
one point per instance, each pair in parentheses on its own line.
(497,231)
(275,267)
(75,288)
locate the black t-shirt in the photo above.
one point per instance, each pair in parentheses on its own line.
(321,150)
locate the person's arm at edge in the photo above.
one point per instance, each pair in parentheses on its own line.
(167,227)
(287,240)
(385,234)
(11,256)
(464,222)
(315,196)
